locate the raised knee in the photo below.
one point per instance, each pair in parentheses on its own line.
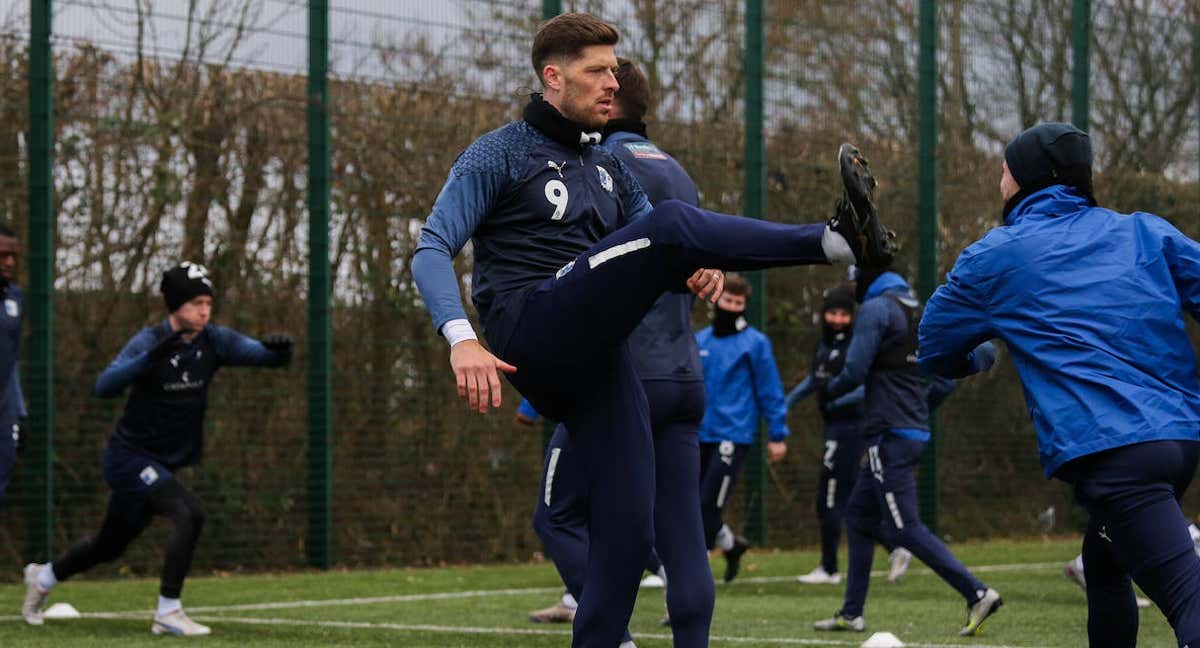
(670,213)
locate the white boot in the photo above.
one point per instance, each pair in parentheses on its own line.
(178,624)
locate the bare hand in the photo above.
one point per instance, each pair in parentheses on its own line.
(776,451)
(475,372)
(707,283)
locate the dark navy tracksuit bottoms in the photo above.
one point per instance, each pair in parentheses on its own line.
(883,505)
(1136,530)
(567,338)
(720,463)
(839,468)
(561,515)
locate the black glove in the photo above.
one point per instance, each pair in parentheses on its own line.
(279,343)
(166,346)
(20,431)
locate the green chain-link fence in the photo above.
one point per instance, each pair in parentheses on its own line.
(186,130)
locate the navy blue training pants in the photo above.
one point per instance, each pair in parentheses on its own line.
(1137,530)
(561,515)
(839,467)
(883,505)
(568,344)
(720,464)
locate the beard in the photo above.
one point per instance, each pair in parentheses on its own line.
(578,108)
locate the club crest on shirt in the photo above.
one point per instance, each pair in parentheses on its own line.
(606,180)
(12,307)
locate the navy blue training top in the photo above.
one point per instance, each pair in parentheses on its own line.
(530,205)
(164,416)
(663,345)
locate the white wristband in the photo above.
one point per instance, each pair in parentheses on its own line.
(457,330)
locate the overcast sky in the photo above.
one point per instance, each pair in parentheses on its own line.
(277,29)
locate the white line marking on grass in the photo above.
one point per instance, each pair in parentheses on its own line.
(397,598)
(364,625)
(446,596)
(920,571)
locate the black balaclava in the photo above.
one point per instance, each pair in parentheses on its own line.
(727,322)
(837,297)
(183,283)
(1049,154)
(547,119)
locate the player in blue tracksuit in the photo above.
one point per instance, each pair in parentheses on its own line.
(1090,303)
(743,386)
(667,361)
(568,259)
(168,368)
(12,403)
(883,504)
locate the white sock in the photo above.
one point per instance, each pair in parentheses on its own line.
(1195,531)
(836,249)
(569,601)
(662,573)
(46,580)
(168,605)
(725,536)
(627,644)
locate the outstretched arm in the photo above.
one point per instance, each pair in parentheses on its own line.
(954,323)
(238,350)
(800,392)
(131,362)
(869,326)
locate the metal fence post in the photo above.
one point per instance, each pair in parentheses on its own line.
(927,226)
(754,205)
(1081,49)
(320,348)
(40,378)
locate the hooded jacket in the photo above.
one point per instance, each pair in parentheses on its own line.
(1089,303)
(742,385)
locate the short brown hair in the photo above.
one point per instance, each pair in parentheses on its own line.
(566,35)
(736,284)
(634,93)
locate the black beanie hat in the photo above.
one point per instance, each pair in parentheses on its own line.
(183,283)
(1049,154)
(841,296)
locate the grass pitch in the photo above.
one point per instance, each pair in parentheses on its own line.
(487,606)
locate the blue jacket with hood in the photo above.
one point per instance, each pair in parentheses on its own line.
(742,385)
(1089,302)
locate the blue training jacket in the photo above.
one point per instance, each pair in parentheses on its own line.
(742,384)
(662,346)
(1089,302)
